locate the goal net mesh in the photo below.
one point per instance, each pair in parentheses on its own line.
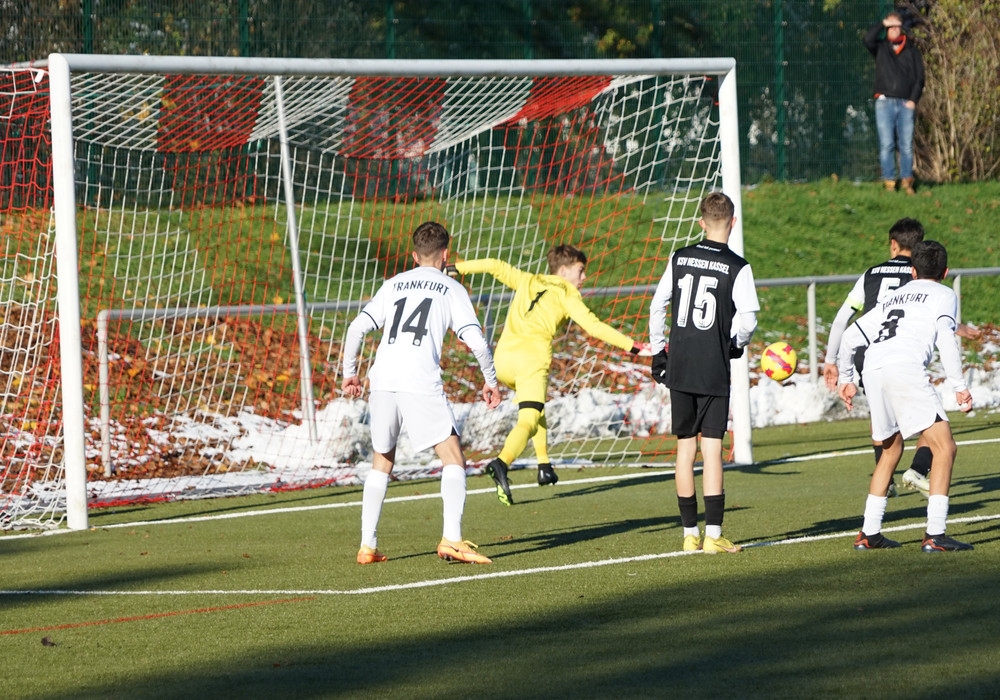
(187,263)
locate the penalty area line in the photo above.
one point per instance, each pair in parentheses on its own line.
(643,473)
(852,453)
(302,594)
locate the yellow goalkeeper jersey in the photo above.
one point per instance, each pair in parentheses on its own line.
(541,304)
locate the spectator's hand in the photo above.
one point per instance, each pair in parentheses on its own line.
(642,349)
(910,104)
(491,395)
(830,375)
(660,367)
(964,399)
(735,351)
(966,331)
(352,387)
(847,393)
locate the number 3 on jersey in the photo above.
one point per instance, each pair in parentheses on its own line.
(415,323)
(888,329)
(700,309)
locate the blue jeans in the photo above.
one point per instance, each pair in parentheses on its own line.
(894,121)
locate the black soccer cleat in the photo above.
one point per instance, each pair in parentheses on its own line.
(876,541)
(546,474)
(498,472)
(943,543)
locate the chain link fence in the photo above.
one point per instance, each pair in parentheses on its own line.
(806,108)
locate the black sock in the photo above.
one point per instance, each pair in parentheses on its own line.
(922,461)
(715,507)
(688,505)
(878,453)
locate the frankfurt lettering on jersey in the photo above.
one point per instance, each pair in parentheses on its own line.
(904,298)
(701,264)
(422,285)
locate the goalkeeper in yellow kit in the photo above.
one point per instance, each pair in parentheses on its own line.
(524,352)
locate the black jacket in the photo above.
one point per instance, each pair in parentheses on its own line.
(896,75)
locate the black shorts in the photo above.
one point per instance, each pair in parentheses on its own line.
(691,414)
(859,364)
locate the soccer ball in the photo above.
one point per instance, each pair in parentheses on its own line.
(778,361)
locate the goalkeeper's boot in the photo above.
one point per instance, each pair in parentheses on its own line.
(719,545)
(692,543)
(876,541)
(943,543)
(546,474)
(497,470)
(915,481)
(461,551)
(367,555)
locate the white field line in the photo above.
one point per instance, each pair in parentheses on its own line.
(464,579)
(474,577)
(644,473)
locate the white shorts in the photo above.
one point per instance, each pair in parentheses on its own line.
(901,402)
(427,417)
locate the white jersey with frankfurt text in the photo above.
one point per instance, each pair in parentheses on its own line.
(902,331)
(415,309)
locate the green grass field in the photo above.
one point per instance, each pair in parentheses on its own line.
(588,595)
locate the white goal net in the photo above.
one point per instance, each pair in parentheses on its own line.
(216,223)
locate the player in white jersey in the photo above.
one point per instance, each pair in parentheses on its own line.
(871,287)
(901,333)
(415,309)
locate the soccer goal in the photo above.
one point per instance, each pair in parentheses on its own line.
(185,240)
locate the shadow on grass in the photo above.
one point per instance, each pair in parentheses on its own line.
(709,631)
(547,540)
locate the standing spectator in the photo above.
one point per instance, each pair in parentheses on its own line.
(901,333)
(714,315)
(415,309)
(899,82)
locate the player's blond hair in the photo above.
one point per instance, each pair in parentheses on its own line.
(429,238)
(564,255)
(717,206)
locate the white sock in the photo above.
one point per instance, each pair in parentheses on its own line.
(691,531)
(453,500)
(713,531)
(376,484)
(937,514)
(874,512)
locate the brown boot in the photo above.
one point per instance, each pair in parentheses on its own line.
(890,185)
(908,185)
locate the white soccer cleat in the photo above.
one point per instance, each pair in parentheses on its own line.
(915,481)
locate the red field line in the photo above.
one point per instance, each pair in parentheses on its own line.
(152,616)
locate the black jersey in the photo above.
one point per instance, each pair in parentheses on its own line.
(708,285)
(878,280)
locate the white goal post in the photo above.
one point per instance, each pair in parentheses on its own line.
(217,220)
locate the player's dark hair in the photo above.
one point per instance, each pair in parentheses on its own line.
(930,260)
(907,233)
(429,238)
(565,254)
(717,206)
